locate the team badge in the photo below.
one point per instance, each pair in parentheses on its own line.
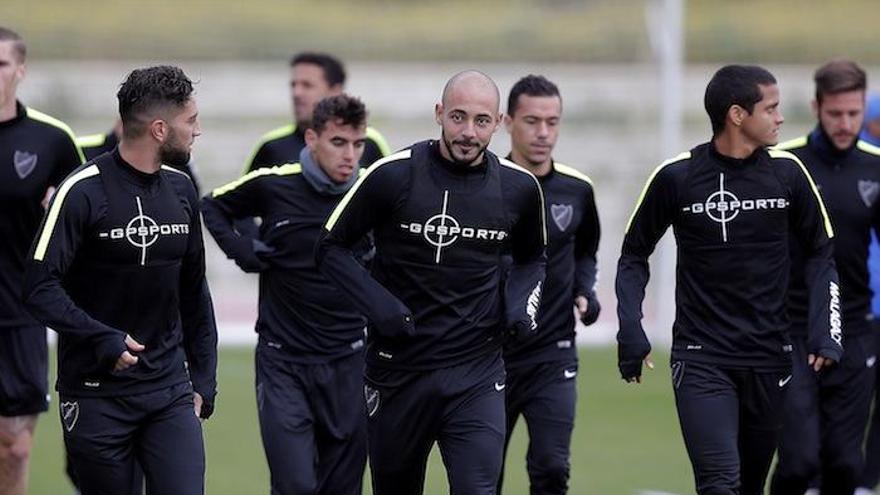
(869,190)
(371,397)
(24,162)
(69,414)
(562,215)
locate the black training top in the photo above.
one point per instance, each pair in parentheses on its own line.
(850,184)
(732,220)
(573,228)
(283,145)
(36,152)
(97,144)
(120,252)
(301,313)
(436,296)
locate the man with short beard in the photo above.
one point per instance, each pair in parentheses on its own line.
(118,270)
(826,413)
(443,213)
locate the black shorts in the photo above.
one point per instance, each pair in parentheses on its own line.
(23,371)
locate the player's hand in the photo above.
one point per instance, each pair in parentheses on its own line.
(127,359)
(582,305)
(197,404)
(588,309)
(649,363)
(817,362)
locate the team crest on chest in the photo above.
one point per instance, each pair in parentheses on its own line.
(562,215)
(869,190)
(24,163)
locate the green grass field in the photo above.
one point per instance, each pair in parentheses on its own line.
(626,438)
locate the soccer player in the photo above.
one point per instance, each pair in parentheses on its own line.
(93,145)
(313,77)
(309,356)
(871,473)
(826,414)
(36,152)
(118,269)
(541,369)
(443,213)
(734,207)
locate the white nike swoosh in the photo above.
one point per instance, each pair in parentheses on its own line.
(500,386)
(569,374)
(784,381)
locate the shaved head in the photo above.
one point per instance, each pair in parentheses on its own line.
(471,82)
(468,116)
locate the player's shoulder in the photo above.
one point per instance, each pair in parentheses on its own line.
(390,167)
(785,159)
(83,180)
(175,175)
(515,175)
(675,166)
(276,135)
(379,141)
(49,123)
(257,175)
(573,176)
(868,149)
(91,140)
(792,144)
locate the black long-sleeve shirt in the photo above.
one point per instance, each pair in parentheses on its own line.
(36,152)
(93,145)
(120,252)
(732,220)
(435,297)
(301,313)
(573,239)
(850,184)
(283,145)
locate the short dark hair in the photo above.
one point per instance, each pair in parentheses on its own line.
(531,85)
(734,85)
(334,71)
(347,109)
(839,75)
(18,45)
(148,90)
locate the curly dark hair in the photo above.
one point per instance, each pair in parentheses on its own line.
(149,91)
(347,109)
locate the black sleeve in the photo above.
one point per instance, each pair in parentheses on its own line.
(585,246)
(197,314)
(525,277)
(812,227)
(55,247)
(227,207)
(370,200)
(652,216)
